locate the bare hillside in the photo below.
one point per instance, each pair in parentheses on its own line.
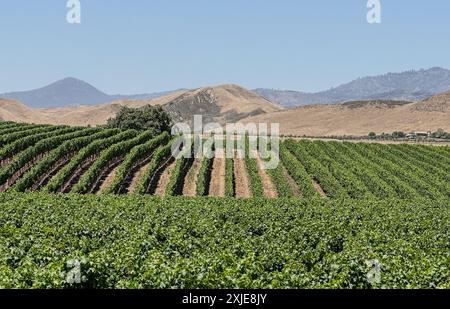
(227,103)
(221,104)
(232,103)
(360,118)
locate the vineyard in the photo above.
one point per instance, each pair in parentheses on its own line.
(108,161)
(331,215)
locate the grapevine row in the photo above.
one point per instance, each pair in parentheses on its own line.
(114,152)
(363,153)
(6,138)
(204,174)
(59,157)
(61,179)
(355,163)
(297,172)
(137,156)
(182,166)
(316,170)
(230,183)
(24,161)
(13,149)
(160,159)
(251,164)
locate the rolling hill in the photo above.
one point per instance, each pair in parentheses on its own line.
(232,103)
(220,104)
(361,117)
(226,103)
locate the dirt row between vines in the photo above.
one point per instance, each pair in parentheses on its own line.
(12,180)
(241,179)
(107,176)
(190,183)
(108,181)
(217,185)
(45,178)
(137,177)
(79,172)
(318,188)
(292,184)
(164,180)
(269,189)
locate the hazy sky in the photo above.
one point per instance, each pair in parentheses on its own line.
(145,46)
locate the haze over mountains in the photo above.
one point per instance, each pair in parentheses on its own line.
(388,103)
(409,86)
(71,91)
(222,104)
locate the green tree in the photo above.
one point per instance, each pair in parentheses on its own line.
(440,133)
(146,118)
(372,135)
(398,134)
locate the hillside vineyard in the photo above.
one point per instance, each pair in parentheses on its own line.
(60,159)
(103,208)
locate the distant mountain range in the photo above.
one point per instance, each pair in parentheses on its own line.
(69,92)
(232,103)
(406,86)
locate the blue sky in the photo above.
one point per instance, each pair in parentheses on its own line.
(145,46)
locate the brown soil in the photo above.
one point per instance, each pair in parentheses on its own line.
(241,177)
(269,189)
(106,176)
(217,185)
(5,162)
(136,177)
(164,180)
(45,178)
(134,174)
(107,182)
(339,120)
(67,186)
(292,184)
(12,180)
(190,183)
(319,188)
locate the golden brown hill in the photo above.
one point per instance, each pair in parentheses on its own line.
(437,103)
(222,104)
(360,118)
(230,103)
(78,115)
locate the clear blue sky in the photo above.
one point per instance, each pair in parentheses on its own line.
(145,46)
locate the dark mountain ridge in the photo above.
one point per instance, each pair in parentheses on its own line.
(406,86)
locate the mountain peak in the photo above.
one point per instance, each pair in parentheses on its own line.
(64,92)
(70,80)
(437,69)
(72,91)
(74,83)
